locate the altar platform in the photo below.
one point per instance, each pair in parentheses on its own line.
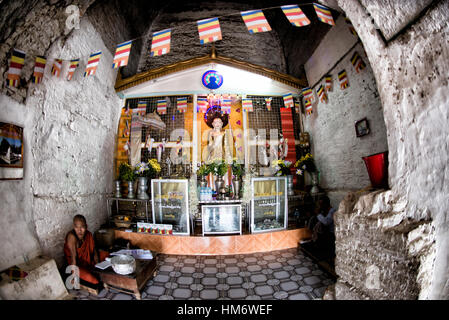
(216,245)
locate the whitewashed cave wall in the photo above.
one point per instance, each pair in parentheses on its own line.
(70,129)
(337,150)
(411,71)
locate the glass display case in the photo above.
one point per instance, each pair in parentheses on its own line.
(171,204)
(269,204)
(225,218)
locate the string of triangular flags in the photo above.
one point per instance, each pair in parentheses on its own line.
(208,29)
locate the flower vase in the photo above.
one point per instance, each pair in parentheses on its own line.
(219,183)
(117,193)
(142,186)
(315,188)
(131,194)
(203,182)
(290,190)
(237,183)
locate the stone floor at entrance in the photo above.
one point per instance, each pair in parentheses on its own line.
(283,274)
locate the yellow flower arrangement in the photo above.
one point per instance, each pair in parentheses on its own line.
(305,163)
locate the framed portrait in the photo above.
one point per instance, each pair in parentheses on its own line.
(11,151)
(362,127)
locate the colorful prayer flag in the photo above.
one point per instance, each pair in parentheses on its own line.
(209,30)
(288,100)
(226,105)
(343,80)
(308,94)
(322,94)
(142,108)
(308,106)
(162,106)
(328,79)
(297,107)
(295,15)
(122,55)
(92,63)
(324,14)
(268,102)
(247,105)
(350,26)
(181,104)
(72,67)
(255,21)
(56,68)
(161,43)
(39,67)
(15,68)
(357,62)
(202,104)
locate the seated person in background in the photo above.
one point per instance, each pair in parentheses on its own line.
(79,250)
(323,231)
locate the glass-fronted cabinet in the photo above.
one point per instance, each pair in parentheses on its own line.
(226,218)
(269,204)
(171,204)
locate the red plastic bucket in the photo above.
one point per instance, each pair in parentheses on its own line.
(377,166)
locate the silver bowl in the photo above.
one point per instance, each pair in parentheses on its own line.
(123,264)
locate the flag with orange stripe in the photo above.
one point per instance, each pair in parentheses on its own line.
(181,104)
(160,43)
(255,21)
(56,68)
(209,30)
(39,67)
(308,107)
(92,63)
(288,100)
(122,55)
(15,68)
(324,14)
(72,67)
(247,105)
(342,77)
(295,15)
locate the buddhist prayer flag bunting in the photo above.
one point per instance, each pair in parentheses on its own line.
(247,105)
(92,63)
(350,26)
(357,62)
(322,94)
(343,80)
(209,30)
(56,68)
(297,107)
(308,94)
(268,102)
(202,104)
(162,106)
(161,43)
(142,108)
(72,67)
(255,21)
(15,68)
(323,13)
(295,15)
(122,55)
(288,100)
(328,82)
(226,105)
(181,104)
(308,106)
(39,66)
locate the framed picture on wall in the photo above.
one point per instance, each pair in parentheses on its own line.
(362,127)
(11,151)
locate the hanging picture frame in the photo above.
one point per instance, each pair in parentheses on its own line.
(11,151)
(362,127)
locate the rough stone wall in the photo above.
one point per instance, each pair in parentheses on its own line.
(71,128)
(412,76)
(261,48)
(337,149)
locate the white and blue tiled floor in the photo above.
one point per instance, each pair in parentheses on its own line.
(284,274)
